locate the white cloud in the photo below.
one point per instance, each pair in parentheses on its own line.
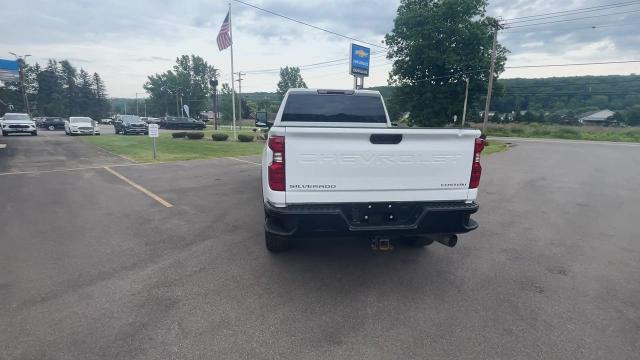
(533,44)
(125,41)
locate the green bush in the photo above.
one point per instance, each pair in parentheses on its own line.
(179,135)
(245,138)
(219,137)
(540,132)
(567,133)
(195,135)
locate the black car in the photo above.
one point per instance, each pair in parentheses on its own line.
(181,123)
(130,124)
(52,123)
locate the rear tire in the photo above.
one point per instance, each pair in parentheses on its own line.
(51,128)
(417,241)
(276,243)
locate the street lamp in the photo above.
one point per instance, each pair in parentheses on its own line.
(22,60)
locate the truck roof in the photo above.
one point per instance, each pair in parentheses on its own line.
(336,91)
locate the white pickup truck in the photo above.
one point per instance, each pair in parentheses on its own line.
(334,165)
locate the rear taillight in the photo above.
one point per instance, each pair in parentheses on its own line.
(476,169)
(276,168)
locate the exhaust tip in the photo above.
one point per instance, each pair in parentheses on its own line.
(447,240)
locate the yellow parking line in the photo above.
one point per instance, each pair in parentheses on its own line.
(139,188)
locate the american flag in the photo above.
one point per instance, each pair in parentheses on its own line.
(224,38)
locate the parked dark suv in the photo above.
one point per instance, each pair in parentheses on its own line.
(130,124)
(181,123)
(52,123)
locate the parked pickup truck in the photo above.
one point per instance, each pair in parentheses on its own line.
(333,165)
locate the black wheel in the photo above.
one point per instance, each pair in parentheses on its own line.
(34,133)
(4,133)
(276,243)
(123,132)
(417,241)
(51,128)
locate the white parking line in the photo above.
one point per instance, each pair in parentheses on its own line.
(242,160)
(53,171)
(114,166)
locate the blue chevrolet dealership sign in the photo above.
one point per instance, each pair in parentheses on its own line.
(9,70)
(360,56)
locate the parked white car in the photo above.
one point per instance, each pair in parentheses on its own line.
(16,123)
(81,125)
(334,165)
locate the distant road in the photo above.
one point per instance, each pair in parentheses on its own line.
(563,141)
(91,267)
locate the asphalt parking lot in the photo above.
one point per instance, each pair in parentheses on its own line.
(93,267)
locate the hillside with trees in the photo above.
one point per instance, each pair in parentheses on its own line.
(565,99)
(57,89)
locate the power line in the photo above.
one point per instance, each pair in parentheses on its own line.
(314,66)
(572,12)
(592,27)
(560,83)
(633,92)
(573,64)
(574,19)
(309,25)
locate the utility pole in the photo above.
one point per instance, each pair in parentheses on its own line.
(240,75)
(22,60)
(138,112)
(181,106)
(491,72)
(464,108)
(145,107)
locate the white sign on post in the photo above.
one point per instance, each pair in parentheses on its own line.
(153,130)
(154,133)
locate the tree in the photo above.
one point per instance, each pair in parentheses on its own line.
(632,116)
(69,76)
(58,89)
(435,45)
(101,103)
(290,78)
(50,96)
(84,101)
(226,112)
(189,80)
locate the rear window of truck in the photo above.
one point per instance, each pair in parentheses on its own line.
(334,108)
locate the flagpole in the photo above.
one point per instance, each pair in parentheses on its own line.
(233,87)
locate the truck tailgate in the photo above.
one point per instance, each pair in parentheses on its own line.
(341,165)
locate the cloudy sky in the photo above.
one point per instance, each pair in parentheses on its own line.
(125,41)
